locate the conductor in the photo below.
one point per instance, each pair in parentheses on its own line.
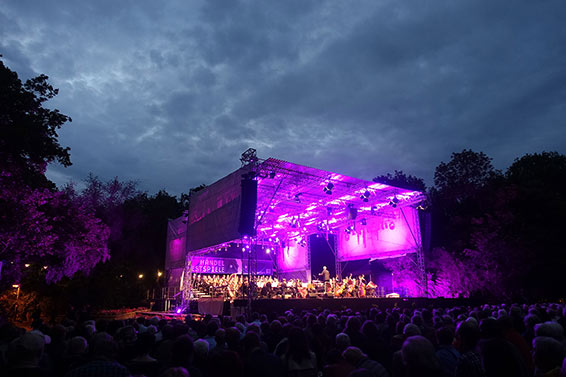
(325,274)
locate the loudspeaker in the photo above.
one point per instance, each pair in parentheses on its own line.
(248,204)
(352,213)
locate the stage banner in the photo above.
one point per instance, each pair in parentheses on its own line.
(393,233)
(292,257)
(214,213)
(211,265)
(176,242)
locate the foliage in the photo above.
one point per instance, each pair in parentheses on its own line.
(138,225)
(400,179)
(45,228)
(465,174)
(499,232)
(28,131)
(39,226)
(404,274)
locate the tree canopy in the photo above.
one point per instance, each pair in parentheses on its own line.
(40,227)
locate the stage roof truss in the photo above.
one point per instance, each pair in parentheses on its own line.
(292,202)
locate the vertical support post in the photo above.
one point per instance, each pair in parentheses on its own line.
(187,282)
(422,271)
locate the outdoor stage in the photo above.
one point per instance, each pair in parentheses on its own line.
(283,220)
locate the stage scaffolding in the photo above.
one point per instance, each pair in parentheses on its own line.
(293,202)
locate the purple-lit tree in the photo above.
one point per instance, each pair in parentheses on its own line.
(39,226)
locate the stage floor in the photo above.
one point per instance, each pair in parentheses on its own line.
(279,306)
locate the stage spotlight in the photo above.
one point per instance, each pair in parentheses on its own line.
(349,229)
(393,202)
(267,251)
(373,210)
(328,188)
(364,222)
(298,197)
(302,242)
(365,196)
(272,175)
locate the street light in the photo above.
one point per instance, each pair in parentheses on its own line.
(140,276)
(17,286)
(159,273)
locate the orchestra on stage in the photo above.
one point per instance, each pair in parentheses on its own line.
(236,286)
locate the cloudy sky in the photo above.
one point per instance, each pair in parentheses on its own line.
(170,93)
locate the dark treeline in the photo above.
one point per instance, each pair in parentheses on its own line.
(495,233)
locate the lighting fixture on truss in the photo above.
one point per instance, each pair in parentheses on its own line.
(365,196)
(393,202)
(328,188)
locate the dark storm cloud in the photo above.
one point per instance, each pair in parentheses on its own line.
(170,94)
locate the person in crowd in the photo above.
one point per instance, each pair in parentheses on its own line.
(484,340)
(470,363)
(103,361)
(419,358)
(446,353)
(357,359)
(299,360)
(548,356)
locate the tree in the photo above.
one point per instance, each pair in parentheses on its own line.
(539,205)
(400,179)
(28,131)
(464,175)
(39,226)
(138,231)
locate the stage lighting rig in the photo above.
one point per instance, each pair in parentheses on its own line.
(393,202)
(365,196)
(249,157)
(328,188)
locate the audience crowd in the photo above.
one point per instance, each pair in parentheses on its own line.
(491,340)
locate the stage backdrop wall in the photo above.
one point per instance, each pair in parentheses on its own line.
(388,235)
(292,257)
(214,213)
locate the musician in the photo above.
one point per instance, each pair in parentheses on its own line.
(325,274)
